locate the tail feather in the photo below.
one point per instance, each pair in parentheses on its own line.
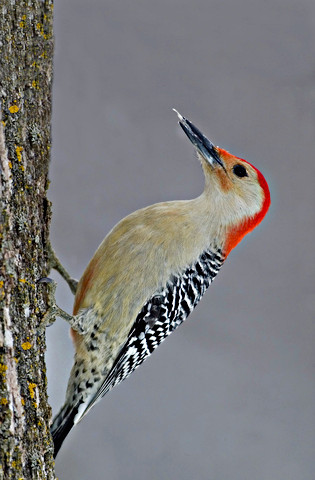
(62,425)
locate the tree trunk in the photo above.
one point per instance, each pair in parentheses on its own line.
(26,51)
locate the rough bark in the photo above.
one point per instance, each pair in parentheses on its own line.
(26,49)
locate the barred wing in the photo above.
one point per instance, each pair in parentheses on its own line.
(162,314)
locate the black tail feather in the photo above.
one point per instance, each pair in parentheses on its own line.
(61,426)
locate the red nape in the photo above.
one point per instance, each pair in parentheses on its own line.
(235,234)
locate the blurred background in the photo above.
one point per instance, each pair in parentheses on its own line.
(230,394)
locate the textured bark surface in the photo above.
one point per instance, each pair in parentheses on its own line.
(26,49)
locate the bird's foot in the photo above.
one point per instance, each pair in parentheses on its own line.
(53,309)
(55,263)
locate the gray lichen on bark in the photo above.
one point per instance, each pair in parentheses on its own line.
(26,50)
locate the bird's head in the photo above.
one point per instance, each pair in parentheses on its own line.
(237,192)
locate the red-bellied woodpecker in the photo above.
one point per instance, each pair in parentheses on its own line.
(149,273)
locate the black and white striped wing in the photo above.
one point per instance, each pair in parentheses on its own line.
(162,314)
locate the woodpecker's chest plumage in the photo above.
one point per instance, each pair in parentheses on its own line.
(162,314)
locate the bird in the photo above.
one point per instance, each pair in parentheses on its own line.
(150,272)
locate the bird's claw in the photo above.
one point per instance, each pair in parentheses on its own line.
(57,265)
(46,280)
(50,315)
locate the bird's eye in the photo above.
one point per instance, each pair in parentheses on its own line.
(240,171)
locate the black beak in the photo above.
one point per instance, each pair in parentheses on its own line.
(203,145)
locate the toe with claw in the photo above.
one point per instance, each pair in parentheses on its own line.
(50,316)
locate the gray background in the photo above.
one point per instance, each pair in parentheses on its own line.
(230,395)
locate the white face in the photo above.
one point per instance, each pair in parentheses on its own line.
(235,191)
